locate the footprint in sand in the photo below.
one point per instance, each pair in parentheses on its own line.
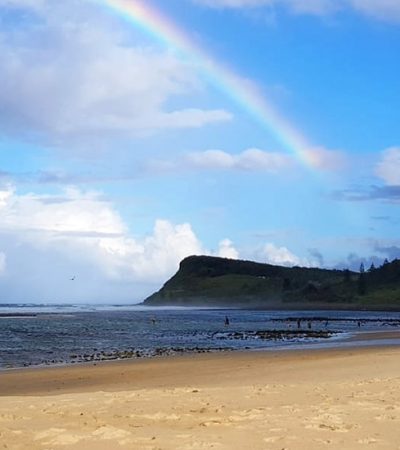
(57,436)
(256,413)
(273,439)
(51,432)
(7,417)
(329,422)
(368,441)
(323,441)
(112,433)
(156,417)
(210,423)
(386,417)
(198,445)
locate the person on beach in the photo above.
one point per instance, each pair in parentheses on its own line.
(226,321)
(298,323)
(309,324)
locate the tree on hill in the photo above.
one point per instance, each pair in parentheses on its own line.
(362,288)
(346,275)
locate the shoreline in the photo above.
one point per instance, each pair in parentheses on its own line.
(285,307)
(344,340)
(53,379)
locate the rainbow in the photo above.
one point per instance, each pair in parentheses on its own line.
(241,91)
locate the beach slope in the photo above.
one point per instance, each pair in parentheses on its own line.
(338,399)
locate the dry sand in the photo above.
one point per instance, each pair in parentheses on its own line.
(337,399)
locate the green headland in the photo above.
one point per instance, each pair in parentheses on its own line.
(220,282)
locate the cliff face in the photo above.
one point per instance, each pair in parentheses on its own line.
(212,281)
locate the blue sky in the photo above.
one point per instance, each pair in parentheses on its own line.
(118,157)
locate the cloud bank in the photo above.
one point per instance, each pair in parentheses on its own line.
(388,168)
(249,160)
(70,73)
(383,10)
(273,254)
(47,239)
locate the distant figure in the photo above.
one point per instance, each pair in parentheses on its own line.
(298,323)
(358,324)
(153,320)
(326,324)
(226,321)
(72,279)
(309,324)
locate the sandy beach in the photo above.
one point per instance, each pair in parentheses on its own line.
(338,399)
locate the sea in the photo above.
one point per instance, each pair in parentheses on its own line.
(43,335)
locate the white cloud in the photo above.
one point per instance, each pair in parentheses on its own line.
(227,250)
(272,254)
(381,9)
(75,212)
(250,160)
(233,3)
(163,251)
(70,73)
(31,4)
(297,6)
(211,159)
(279,255)
(184,118)
(49,238)
(87,227)
(378,9)
(5,194)
(2,263)
(316,7)
(389,167)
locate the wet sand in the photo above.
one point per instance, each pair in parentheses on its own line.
(338,399)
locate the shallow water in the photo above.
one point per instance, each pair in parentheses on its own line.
(69,334)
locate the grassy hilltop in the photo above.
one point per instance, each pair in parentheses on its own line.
(212,281)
